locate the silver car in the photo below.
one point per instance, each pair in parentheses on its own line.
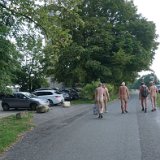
(23,100)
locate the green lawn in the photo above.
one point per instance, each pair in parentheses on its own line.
(11,129)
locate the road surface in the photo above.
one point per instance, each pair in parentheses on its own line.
(79,135)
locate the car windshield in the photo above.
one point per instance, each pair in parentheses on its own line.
(29,95)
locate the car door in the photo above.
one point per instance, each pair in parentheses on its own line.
(22,101)
(11,100)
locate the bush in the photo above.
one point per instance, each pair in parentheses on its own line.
(88,90)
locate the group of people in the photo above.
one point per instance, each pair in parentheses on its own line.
(144,91)
(102,97)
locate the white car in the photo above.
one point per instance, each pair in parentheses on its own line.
(53,97)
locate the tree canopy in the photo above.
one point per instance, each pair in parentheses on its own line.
(76,41)
(114,44)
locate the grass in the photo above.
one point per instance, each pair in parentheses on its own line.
(90,101)
(82,101)
(158,99)
(11,129)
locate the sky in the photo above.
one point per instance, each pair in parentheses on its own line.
(150,9)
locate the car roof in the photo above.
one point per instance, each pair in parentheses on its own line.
(21,92)
(46,91)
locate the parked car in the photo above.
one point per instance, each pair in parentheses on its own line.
(66,94)
(72,93)
(39,89)
(158,86)
(23,100)
(52,96)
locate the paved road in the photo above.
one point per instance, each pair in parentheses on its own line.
(79,135)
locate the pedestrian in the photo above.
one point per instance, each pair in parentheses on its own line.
(106,98)
(153,95)
(99,98)
(124,96)
(143,96)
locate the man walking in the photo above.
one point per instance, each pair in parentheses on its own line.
(143,96)
(153,95)
(124,96)
(106,99)
(99,98)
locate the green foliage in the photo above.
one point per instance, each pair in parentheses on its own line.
(84,41)
(8,61)
(88,91)
(146,79)
(113,44)
(25,21)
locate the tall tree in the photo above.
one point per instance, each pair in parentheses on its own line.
(8,53)
(40,20)
(114,44)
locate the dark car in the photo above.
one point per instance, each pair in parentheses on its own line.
(23,100)
(72,93)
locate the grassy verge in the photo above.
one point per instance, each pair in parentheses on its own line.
(158,100)
(82,101)
(87,101)
(11,129)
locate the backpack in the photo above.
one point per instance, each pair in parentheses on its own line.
(144,91)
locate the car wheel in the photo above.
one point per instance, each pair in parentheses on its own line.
(50,102)
(5,107)
(33,106)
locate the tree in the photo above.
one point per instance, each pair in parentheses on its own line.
(146,79)
(8,53)
(114,44)
(31,19)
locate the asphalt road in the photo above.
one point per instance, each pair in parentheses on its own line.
(77,134)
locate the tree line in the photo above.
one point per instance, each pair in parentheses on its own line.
(74,41)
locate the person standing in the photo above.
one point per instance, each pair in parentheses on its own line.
(153,95)
(106,99)
(99,98)
(124,96)
(143,96)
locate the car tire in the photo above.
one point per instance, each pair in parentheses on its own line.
(50,102)
(5,107)
(33,106)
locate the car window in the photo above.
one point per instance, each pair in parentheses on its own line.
(21,96)
(43,93)
(10,96)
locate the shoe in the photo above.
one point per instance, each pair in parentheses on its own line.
(126,111)
(100,115)
(145,110)
(122,112)
(142,108)
(154,109)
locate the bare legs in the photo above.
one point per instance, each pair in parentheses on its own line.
(153,102)
(144,103)
(124,105)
